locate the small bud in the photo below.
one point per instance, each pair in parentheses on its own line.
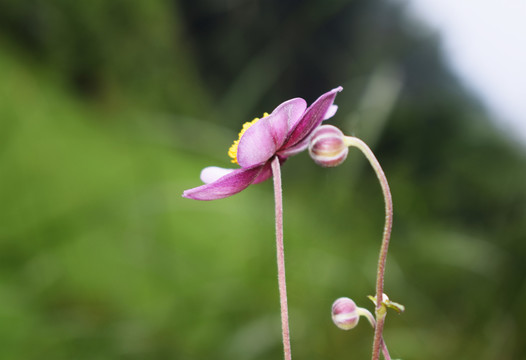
(345,314)
(327,146)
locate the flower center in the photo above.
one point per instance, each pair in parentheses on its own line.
(232,152)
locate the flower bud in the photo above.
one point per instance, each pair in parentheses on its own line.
(345,314)
(327,146)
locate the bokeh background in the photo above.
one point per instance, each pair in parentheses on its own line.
(109,110)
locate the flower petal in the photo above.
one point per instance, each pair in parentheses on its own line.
(312,118)
(296,149)
(227,185)
(213,173)
(261,140)
(266,171)
(330,112)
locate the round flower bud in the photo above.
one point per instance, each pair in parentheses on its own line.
(327,146)
(345,313)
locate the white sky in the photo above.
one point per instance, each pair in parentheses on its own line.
(485,41)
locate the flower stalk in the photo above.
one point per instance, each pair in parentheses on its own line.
(276,174)
(380,309)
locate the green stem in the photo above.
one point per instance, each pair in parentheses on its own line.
(380,310)
(276,173)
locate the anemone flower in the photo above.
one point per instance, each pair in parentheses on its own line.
(283,133)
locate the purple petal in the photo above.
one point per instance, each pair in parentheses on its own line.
(266,172)
(213,173)
(296,149)
(259,143)
(313,117)
(228,185)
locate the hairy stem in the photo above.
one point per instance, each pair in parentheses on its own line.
(385,351)
(276,173)
(367,314)
(380,310)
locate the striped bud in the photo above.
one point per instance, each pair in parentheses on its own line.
(345,314)
(327,146)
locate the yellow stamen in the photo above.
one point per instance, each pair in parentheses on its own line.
(232,152)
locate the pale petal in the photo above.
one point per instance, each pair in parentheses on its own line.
(294,108)
(213,173)
(330,112)
(259,143)
(227,185)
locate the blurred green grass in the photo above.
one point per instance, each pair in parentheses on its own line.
(101,255)
(102,258)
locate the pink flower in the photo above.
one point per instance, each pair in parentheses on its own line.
(283,133)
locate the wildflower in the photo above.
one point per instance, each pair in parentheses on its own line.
(283,133)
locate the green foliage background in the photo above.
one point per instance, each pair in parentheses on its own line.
(109,110)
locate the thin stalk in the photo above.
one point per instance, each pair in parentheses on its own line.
(385,351)
(276,173)
(367,314)
(380,310)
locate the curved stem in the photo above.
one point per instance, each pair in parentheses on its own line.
(385,351)
(276,173)
(380,307)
